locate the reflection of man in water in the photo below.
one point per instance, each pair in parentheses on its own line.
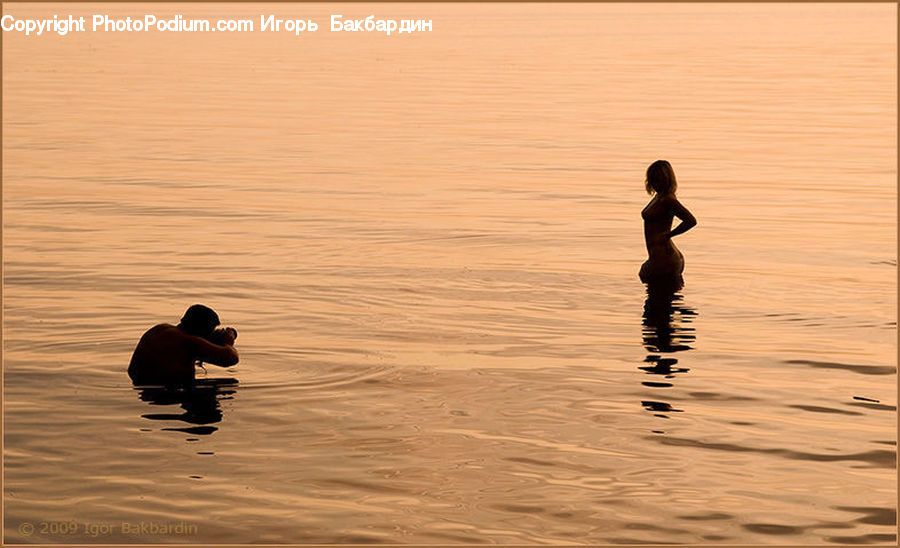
(166,353)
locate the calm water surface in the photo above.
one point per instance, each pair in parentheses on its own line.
(429,245)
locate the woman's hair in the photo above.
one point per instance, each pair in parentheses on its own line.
(661,178)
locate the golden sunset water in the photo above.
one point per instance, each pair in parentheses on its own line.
(429,244)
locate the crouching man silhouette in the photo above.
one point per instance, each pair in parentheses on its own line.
(166,353)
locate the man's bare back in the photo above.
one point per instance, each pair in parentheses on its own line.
(166,353)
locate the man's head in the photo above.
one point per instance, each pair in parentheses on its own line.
(199,320)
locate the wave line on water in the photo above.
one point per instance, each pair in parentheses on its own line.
(540,443)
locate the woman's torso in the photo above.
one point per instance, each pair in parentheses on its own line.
(658,216)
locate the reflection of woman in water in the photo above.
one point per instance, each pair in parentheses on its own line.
(665,263)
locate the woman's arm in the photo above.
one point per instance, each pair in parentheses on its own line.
(688,221)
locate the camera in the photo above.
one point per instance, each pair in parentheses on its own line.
(223,336)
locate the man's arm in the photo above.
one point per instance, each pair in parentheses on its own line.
(222,355)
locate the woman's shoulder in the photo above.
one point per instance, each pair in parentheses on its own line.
(669,201)
(666,200)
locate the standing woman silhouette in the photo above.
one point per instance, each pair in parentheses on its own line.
(665,263)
